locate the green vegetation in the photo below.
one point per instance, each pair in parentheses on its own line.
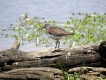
(76,75)
(88,28)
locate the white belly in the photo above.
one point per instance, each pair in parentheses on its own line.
(55,37)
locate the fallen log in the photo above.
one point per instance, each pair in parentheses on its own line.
(68,57)
(48,73)
(102,52)
(42,73)
(89,73)
(14,59)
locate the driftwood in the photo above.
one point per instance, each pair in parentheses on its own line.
(49,64)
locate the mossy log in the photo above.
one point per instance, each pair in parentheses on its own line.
(14,61)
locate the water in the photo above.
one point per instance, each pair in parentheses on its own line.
(10,10)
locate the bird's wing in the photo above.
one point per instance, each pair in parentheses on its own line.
(58,31)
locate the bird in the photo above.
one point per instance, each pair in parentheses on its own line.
(56,33)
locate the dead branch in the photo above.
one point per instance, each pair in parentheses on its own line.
(18,64)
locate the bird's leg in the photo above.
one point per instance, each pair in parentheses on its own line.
(56,44)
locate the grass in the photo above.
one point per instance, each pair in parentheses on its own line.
(68,76)
(75,75)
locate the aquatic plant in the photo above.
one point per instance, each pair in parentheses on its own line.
(88,28)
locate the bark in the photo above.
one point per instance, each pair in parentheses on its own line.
(102,52)
(48,73)
(42,73)
(68,57)
(16,44)
(17,64)
(89,73)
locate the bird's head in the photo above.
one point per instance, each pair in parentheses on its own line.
(46,26)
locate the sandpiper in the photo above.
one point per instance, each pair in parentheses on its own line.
(56,33)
